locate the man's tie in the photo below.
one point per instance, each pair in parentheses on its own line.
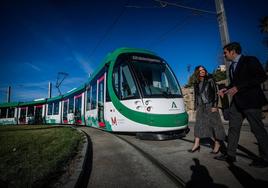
(232,69)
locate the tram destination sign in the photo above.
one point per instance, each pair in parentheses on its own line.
(139,58)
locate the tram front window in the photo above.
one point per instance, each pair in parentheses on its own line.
(123,82)
(156,80)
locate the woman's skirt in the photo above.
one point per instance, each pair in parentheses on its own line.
(208,124)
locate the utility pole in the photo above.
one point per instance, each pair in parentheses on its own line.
(224,37)
(222,22)
(223,29)
(220,12)
(8,93)
(49,90)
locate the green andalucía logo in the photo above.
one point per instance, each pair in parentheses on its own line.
(173,105)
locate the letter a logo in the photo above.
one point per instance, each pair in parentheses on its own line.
(173,105)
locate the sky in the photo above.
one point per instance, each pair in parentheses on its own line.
(39,39)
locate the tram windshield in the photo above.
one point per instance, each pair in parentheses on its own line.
(156,79)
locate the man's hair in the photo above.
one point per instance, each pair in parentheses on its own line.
(233,46)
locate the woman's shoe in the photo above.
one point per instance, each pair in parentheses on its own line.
(215,152)
(194,150)
(217,147)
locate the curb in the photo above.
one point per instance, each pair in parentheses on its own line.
(79,161)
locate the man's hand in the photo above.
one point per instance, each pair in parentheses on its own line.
(232,91)
(222,92)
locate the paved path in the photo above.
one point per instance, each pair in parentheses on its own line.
(116,164)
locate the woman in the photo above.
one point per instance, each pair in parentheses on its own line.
(208,121)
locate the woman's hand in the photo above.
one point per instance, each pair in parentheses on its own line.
(213,109)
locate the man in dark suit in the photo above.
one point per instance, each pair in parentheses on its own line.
(246,75)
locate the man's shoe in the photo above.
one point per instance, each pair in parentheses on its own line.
(260,163)
(227,158)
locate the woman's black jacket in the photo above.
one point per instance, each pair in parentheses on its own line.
(209,91)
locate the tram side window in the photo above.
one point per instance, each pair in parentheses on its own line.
(78,105)
(94,96)
(107,93)
(71,105)
(116,80)
(3,113)
(88,99)
(11,112)
(50,108)
(65,107)
(127,85)
(56,108)
(23,113)
(30,111)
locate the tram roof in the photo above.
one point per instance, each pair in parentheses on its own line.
(55,98)
(111,56)
(9,104)
(81,88)
(29,103)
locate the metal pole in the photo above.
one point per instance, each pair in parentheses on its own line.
(223,29)
(8,93)
(224,36)
(49,90)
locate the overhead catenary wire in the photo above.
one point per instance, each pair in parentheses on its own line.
(108,30)
(165,3)
(178,26)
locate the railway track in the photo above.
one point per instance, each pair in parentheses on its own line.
(123,163)
(172,176)
(120,160)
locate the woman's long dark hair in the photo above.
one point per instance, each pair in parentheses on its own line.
(196,73)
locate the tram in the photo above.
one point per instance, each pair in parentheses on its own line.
(133,90)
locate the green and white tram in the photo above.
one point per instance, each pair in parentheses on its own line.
(31,112)
(8,113)
(133,90)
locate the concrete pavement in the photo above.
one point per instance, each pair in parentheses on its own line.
(116,164)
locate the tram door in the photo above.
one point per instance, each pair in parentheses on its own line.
(22,118)
(38,114)
(101,101)
(65,111)
(78,108)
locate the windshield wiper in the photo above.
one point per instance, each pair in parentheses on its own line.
(167,93)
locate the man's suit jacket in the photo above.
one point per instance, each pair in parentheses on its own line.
(247,77)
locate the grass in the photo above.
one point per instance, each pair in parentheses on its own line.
(35,156)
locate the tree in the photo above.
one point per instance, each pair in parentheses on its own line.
(264,24)
(266,66)
(190,81)
(219,75)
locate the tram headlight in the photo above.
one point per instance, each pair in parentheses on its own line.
(149,108)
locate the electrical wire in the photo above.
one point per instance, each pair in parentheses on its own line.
(165,3)
(108,30)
